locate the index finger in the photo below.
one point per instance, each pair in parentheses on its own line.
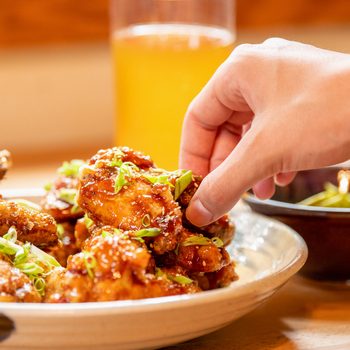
(211,108)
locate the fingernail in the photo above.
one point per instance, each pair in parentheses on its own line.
(198,214)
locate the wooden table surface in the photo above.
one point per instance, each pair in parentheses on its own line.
(302,315)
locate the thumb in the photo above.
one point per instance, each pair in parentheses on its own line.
(250,162)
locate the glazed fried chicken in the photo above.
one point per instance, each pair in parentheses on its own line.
(121,234)
(15,286)
(32,225)
(113,266)
(60,201)
(222,228)
(126,195)
(67,243)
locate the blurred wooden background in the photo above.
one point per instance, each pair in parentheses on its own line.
(25,23)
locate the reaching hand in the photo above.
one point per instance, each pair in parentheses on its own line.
(268,111)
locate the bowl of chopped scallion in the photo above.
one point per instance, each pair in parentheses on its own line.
(317,205)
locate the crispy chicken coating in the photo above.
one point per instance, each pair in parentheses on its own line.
(216,279)
(67,243)
(31,225)
(113,266)
(121,194)
(59,201)
(222,228)
(15,286)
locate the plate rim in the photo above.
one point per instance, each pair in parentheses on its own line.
(265,283)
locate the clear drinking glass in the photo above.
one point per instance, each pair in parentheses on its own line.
(164,51)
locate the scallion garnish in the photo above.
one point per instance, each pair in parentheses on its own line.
(27,204)
(29,259)
(60,231)
(90,263)
(87,221)
(146,220)
(160,179)
(117,160)
(179,279)
(48,187)
(182,182)
(148,232)
(125,169)
(11,234)
(196,240)
(68,195)
(218,242)
(201,240)
(71,168)
(105,234)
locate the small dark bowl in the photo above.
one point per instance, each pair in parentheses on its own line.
(326,231)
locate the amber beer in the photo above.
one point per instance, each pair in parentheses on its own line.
(159,69)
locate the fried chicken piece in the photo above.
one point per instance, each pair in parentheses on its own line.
(67,243)
(124,154)
(222,228)
(59,201)
(216,279)
(122,194)
(196,254)
(82,232)
(113,266)
(200,258)
(15,286)
(31,225)
(5,162)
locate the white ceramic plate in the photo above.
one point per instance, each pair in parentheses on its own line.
(267,253)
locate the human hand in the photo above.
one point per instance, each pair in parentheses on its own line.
(269,110)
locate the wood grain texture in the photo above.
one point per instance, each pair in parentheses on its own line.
(26,23)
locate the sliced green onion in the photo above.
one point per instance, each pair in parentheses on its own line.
(90,263)
(179,279)
(161,179)
(11,234)
(8,247)
(71,168)
(125,169)
(218,242)
(22,254)
(196,240)
(120,181)
(60,231)
(30,260)
(146,220)
(45,258)
(159,273)
(87,221)
(117,161)
(201,240)
(27,204)
(68,195)
(182,182)
(30,268)
(48,187)
(75,208)
(39,284)
(148,232)
(105,234)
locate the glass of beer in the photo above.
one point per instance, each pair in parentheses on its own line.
(164,52)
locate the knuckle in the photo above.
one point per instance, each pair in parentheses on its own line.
(276,42)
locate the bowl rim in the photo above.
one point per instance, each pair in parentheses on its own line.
(294,207)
